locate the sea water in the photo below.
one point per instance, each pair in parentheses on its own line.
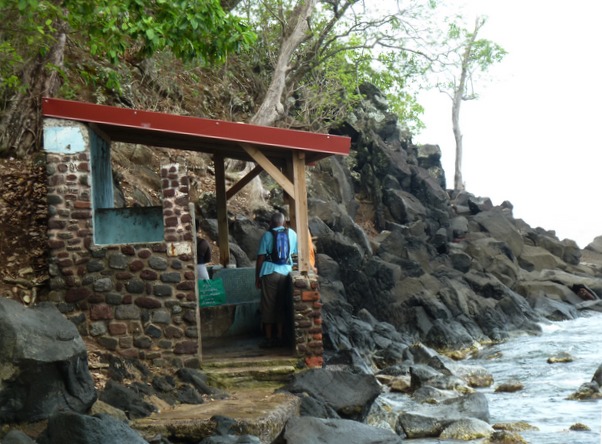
(543,402)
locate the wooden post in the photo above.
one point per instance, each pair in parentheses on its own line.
(222,211)
(196,286)
(301,210)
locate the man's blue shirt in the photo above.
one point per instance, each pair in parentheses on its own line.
(265,248)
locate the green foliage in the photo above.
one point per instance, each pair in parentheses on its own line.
(120,30)
(346,46)
(464,51)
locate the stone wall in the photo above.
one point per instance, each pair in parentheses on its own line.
(135,299)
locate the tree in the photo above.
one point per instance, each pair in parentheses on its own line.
(115,31)
(336,46)
(468,58)
(313,55)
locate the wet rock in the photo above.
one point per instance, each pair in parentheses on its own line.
(579,427)
(505,437)
(402,384)
(519,426)
(432,395)
(552,309)
(561,357)
(472,405)
(422,375)
(467,430)
(597,378)
(382,414)
(589,390)
(474,375)
(509,387)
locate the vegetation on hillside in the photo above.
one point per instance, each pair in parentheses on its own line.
(295,63)
(289,63)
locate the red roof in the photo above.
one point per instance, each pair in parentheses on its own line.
(195,133)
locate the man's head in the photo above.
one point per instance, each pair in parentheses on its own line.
(277,220)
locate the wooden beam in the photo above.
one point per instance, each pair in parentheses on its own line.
(243,182)
(196,287)
(270,168)
(301,210)
(222,211)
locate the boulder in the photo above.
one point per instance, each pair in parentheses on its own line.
(304,430)
(131,401)
(498,225)
(43,364)
(17,437)
(349,394)
(474,375)
(382,414)
(595,245)
(537,259)
(494,256)
(75,428)
(473,405)
(416,425)
(572,252)
(448,334)
(247,235)
(403,206)
(552,309)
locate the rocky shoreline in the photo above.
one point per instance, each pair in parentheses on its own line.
(413,279)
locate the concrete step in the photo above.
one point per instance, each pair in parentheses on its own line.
(249,373)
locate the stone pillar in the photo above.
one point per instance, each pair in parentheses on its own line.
(308,319)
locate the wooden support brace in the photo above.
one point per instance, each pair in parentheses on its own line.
(301,210)
(270,168)
(244,181)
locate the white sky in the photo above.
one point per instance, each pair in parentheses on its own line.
(533,136)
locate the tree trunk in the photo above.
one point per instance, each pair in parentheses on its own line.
(294,34)
(271,108)
(21,126)
(459,96)
(458,182)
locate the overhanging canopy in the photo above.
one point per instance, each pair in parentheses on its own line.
(197,134)
(282,153)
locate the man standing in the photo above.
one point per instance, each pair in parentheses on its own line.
(272,268)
